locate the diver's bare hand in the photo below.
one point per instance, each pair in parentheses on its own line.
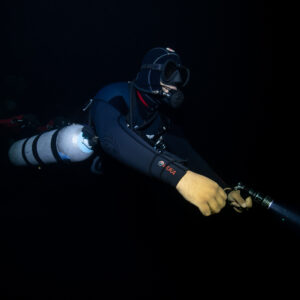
(238,203)
(203,192)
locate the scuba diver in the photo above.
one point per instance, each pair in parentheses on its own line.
(131,128)
(127,122)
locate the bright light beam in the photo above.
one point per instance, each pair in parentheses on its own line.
(285,213)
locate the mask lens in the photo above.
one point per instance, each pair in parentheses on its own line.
(174,74)
(169,69)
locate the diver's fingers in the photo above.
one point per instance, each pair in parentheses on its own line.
(249,202)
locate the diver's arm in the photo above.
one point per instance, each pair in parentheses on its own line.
(126,146)
(123,144)
(178,144)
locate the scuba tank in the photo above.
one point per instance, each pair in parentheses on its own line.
(67,144)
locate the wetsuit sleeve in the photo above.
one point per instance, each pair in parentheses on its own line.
(125,145)
(182,147)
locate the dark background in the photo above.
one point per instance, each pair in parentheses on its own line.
(67,232)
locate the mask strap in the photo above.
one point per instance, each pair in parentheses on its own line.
(156,67)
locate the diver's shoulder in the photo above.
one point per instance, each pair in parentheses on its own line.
(119,85)
(113,89)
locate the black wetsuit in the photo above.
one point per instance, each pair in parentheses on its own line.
(156,148)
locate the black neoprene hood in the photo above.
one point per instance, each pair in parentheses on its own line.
(149,78)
